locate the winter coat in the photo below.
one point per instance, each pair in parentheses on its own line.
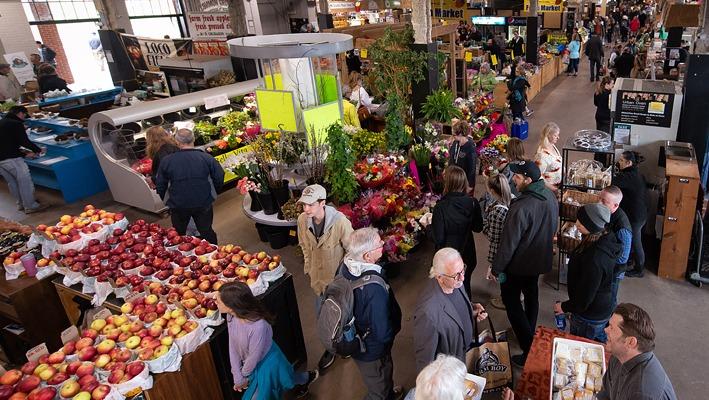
(164,151)
(600,100)
(634,202)
(466,158)
(526,248)
(520,84)
(437,325)
(323,256)
(624,65)
(594,48)
(192,178)
(377,314)
(517,46)
(455,217)
(14,136)
(589,279)
(51,82)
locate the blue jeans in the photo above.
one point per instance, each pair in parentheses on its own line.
(17,175)
(615,285)
(588,328)
(574,65)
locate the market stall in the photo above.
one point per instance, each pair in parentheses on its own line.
(80,104)
(118,137)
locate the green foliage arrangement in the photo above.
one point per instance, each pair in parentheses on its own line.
(421,153)
(234,121)
(207,129)
(366,142)
(395,65)
(439,107)
(339,164)
(397,137)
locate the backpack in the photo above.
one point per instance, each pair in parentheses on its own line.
(336,321)
(517,96)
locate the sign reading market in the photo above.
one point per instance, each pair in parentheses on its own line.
(448,9)
(547,6)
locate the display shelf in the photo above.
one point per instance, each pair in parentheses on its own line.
(260,218)
(75,100)
(71,167)
(117,138)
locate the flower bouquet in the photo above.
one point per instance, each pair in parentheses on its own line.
(483,102)
(481,128)
(375,171)
(246,185)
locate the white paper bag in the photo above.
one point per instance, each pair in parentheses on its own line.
(103,289)
(276,274)
(13,271)
(143,380)
(192,340)
(170,362)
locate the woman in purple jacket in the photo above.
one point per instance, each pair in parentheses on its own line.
(258,365)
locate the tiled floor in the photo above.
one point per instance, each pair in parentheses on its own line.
(676,307)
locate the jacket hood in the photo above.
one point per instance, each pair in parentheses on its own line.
(459,205)
(537,189)
(331,216)
(610,245)
(357,268)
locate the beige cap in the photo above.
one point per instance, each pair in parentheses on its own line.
(313,193)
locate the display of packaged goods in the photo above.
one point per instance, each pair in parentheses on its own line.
(589,139)
(589,173)
(577,370)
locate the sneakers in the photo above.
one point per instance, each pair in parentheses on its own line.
(39,208)
(301,391)
(528,113)
(635,273)
(519,360)
(326,361)
(497,303)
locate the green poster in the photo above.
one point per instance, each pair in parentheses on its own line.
(319,118)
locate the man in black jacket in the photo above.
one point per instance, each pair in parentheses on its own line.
(12,164)
(526,251)
(594,52)
(192,178)
(624,63)
(611,197)
(517,44)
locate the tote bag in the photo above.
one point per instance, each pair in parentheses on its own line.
(490,360)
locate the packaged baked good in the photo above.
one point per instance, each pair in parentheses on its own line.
(595,370)
(560,380)
(593,355)
(590,382)
(580,369)
(567,394)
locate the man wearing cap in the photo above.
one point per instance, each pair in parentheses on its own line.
(9,87)
(526,251)
(322,231)
(591,275)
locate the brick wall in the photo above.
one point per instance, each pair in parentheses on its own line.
(51,39)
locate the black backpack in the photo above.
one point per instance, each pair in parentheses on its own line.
(336,321)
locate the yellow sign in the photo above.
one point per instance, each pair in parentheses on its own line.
(468,56)
(277,110)
(230,158)
(448,9)
(362,53)
(547,6)
(493,59)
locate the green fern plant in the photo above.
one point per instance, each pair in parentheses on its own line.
(439,107)
(339,164)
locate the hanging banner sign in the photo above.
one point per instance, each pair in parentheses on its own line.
(20,66)
(215,25)
(214,5)
(547,6)
(145,53)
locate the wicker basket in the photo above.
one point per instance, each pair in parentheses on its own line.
(568,210)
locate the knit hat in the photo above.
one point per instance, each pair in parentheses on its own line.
(594,217)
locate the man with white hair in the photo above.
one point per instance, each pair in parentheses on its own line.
(192,178)
(376,312)
(443,318)
(619,224)
(443,379)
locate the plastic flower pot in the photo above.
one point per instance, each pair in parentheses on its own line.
(268,205)
(255,203)
(263,231)
(278,238)
(281,194)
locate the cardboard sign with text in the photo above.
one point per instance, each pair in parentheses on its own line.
(69,334)
(36,352)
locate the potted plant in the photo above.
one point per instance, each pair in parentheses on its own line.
(439,107)
(339,164)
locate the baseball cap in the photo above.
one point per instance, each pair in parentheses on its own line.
(527,168)
(313,193)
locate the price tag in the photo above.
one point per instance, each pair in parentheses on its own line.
(216,101)
(363,53)
(292,233)
(36,352)
(103,314)
(69,334)
(468,56)
(493,59)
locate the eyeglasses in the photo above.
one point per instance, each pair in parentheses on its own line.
(459,276)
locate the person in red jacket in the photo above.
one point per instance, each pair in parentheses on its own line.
(635,25)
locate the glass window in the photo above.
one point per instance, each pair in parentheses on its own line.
(156,27)
(59,10)
(139,8)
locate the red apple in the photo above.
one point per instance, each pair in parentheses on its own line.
(100,392)
(87,353)
(11,377)
(69,389)
(58,378)
(85,369)
(28,384)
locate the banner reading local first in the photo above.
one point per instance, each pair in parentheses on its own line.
(145,53)
(547,5)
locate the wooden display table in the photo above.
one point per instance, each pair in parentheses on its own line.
(35,306)
(535,380)
(206,372)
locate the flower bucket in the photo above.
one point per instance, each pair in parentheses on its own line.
(255,203)
(268,205)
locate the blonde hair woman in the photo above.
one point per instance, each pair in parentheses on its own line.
(548,157)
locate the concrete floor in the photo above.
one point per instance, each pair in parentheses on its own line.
(567,101)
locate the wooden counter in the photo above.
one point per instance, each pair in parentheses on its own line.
(35,306)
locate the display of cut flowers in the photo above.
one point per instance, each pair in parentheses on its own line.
(246,185)
(481,127)
(234,122)
(292,209)
(375,171)
(366,143)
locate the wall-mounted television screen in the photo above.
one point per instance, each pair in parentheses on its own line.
(488,20)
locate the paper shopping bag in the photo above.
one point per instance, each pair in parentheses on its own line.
(490,360)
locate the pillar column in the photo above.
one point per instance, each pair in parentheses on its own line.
(114,15)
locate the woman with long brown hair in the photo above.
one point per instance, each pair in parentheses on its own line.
(160,144)
(258,365)
(591,275)
(455,217)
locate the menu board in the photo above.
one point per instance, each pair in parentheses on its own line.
(644,108)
